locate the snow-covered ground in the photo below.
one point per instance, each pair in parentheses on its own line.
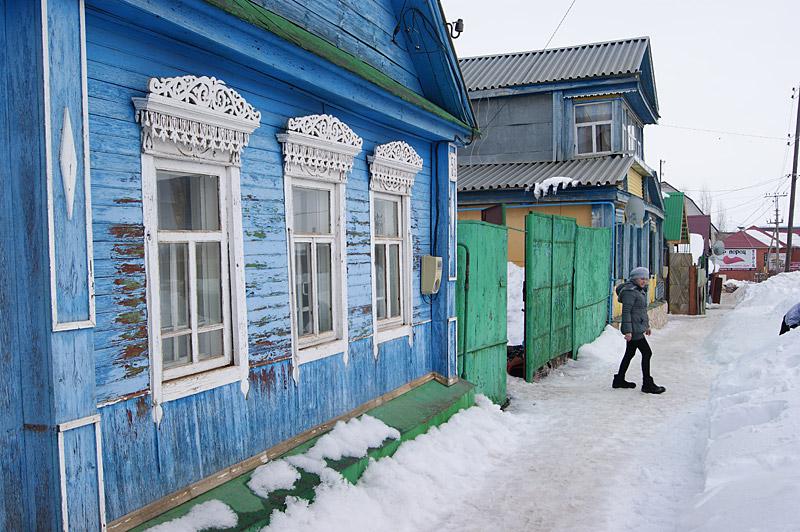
(719,451)
(752,461)
(569,454)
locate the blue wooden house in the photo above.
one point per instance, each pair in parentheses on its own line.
(212,224)
(562,133)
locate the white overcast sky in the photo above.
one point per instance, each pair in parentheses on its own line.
(722,65)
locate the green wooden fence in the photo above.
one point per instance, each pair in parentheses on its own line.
(592,284)
(567,272)
(481,306)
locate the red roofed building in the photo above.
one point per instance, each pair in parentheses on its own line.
(746,252)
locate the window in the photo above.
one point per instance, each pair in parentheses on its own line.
(197,323)
(314,242)
(593,128)
(393,168)
(388,256)
(194,292)
(318,152)
(631,134)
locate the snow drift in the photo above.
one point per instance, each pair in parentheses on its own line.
(752,466)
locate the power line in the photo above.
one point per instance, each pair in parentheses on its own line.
(721,132)
(760,184)
(559,24)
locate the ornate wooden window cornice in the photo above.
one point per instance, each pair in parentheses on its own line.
(393,167)
(197,117)
(319,147)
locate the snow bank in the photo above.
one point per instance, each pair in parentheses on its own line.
(515,305)
(543,188)
(752,467)
(352,438)
(415,487)
(608,346)
(272,476)
(208,515)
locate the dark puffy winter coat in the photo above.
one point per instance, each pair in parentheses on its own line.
(634,310)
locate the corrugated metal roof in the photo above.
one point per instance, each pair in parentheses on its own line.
(557,64)
(589,171)
(675,224)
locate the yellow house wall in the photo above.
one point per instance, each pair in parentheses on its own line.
(635,184)
(515,219)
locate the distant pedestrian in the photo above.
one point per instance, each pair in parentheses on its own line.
(791,319)
(635,326)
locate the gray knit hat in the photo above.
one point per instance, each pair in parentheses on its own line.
(639,273)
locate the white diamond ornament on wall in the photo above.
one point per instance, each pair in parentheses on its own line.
(68,161)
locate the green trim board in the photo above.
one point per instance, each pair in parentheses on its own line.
(270,21)
(412,414)
(676,225)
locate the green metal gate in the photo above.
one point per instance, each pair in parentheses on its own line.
(481,306)
(567,288)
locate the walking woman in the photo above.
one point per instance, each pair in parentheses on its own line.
(635,326)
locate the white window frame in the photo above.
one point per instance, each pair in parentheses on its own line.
(593,125)
(318,150)
(631,144)
(395,327)
(175,383)
(393,167)
(319,345)
(198,125)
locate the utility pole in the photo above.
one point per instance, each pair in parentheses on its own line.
(790,228)
(777,221)
(661,170)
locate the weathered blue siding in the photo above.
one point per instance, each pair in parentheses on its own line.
(206,432)
(364,28)
(11,437)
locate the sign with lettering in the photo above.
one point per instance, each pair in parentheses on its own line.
(738,259)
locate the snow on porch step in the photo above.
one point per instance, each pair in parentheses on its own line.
(411,414)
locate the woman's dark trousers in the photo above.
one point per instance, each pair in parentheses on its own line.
(630,352)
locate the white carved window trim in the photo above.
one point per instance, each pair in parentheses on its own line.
(319,149)
(196,125)
(393,167)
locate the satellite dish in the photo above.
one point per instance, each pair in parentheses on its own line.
(718,248)
(634,211)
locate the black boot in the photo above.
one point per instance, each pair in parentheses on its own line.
(620,382)
(651,387)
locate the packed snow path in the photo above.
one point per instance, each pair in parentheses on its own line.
(592,458)
(570,453)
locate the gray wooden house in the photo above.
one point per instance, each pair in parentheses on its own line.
(563,133)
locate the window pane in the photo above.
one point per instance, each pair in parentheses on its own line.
(585,139)
(176,351)
(387,221)
(596,112)
(324,289)
(210,344)
(380,280)
(174,286)
(303,288)
(312,211)
(188,202)
(394,280)
(209,283)
(603,140)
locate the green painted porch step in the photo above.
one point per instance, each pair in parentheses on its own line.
(412,414)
